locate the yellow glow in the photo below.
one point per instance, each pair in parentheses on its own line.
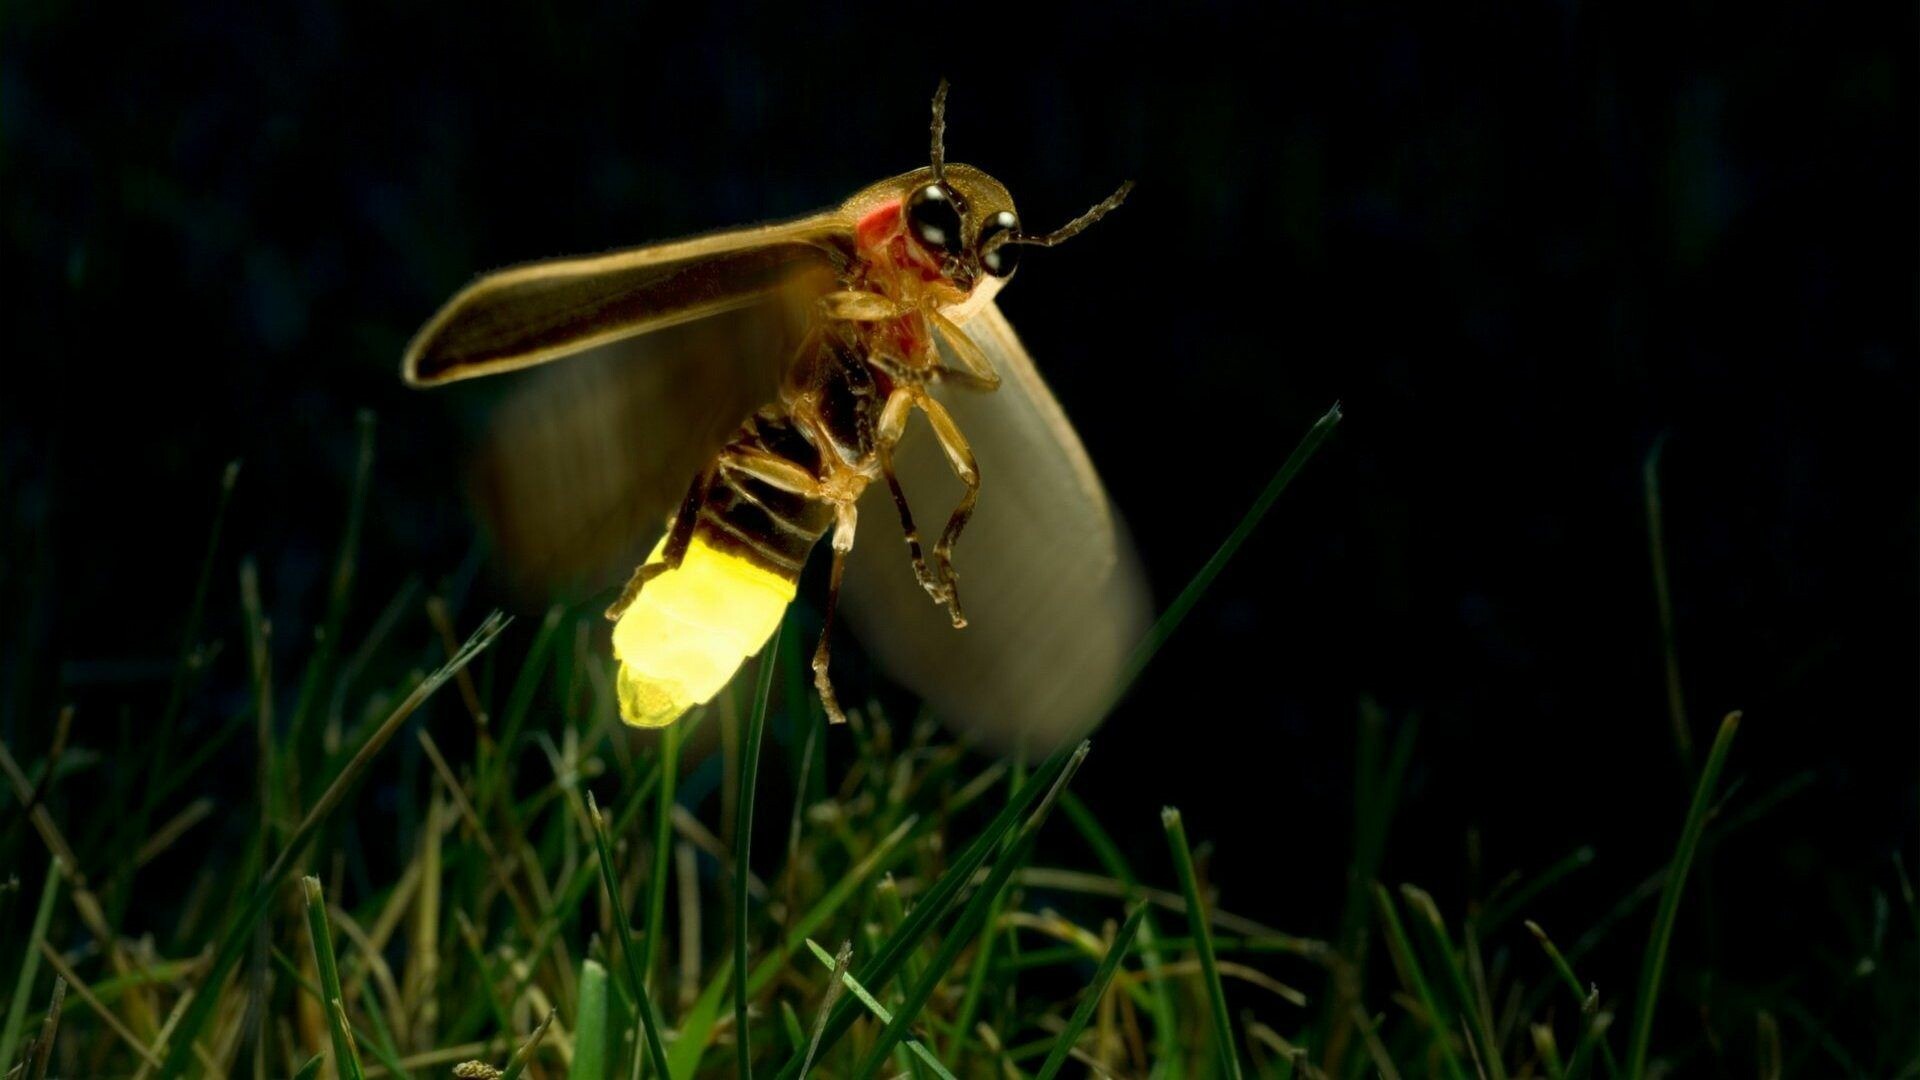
(689,631)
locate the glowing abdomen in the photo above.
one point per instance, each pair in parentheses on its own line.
(690,629)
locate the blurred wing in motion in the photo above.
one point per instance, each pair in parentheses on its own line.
(581,463)
(540,311)
(1054,594)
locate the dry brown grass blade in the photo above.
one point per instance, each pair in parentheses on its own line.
(169,833)
(373,960)
(85,904)
(107,1016)
(49,1031)
(522,909)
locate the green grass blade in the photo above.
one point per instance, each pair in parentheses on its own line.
(940,898)
(239,932)
(388,1057)
(699,1021)
(1594,1035)
(337,1015)
(517,1064)
(1653,964)
(835,985)
(790,1024)
(1166,1022)
(1476,1023)
(1663,599)
(1497,912)
(914,1046)
(1589,1001)
(1116,952)
(345,1062)
(590,1025)
(1169,620)
(636,972)
(1202,939)
(339,591)
(311,1069)
(1560,965)
(976,987)
(29,967)
(189,663)
(1409,963)
(525,683)
(971,919)
(1152,943)
(743,848)
(670,742)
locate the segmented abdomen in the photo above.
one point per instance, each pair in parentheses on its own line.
(690,628)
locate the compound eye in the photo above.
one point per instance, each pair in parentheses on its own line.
(934,219)
(1000,260)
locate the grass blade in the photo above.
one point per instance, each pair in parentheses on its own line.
(1203,938)
(29,967)
(743,846)
(1116,952)
(1663,599)
(1475,1023)
(914,1046)
(941,897)
(312,1068)
(49,1031)
(670,741)
(239,933)
(790,1024)
(1653,964)
(1166,1027)
(1498,911)
(1169,620)
(517,1064)
(1409,963)
(590,1025)
(636,973)
(345,1061)
(971,919)
(835,985)
(699,1022)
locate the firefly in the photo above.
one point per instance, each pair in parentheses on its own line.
(756,388)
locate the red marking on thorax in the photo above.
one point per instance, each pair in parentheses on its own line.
(885,245)
(874,229)
(886,248)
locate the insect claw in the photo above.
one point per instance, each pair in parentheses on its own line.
(951,597)
(831,704)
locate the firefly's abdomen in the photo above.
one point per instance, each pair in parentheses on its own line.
(691,627)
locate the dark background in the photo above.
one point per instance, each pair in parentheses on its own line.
(1520,243)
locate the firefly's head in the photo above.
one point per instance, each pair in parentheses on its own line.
(954,223)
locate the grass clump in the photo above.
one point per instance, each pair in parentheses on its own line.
(524,887)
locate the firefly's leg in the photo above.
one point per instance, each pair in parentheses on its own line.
(679,538)
(775,471)
(893,423)
(853,305)
(978,373)
(842,543)
(960,456)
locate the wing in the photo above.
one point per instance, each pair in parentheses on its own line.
(1054,594)
(529,314)
(579,464)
